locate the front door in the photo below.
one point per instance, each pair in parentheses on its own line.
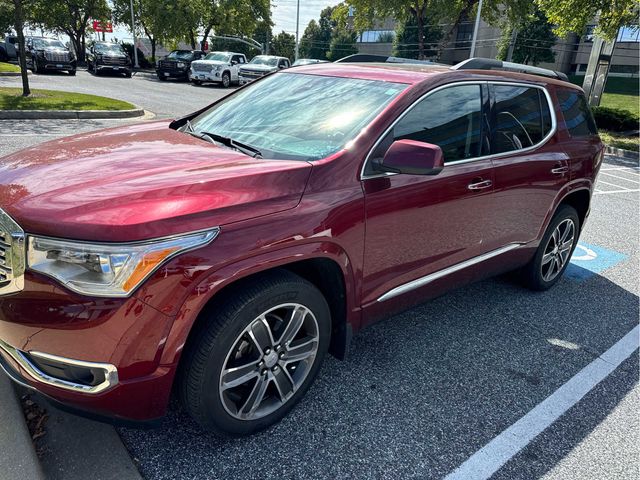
(417,225)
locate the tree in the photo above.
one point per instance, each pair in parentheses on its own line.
(284,45)
(574,15)
(7,17)
(426,12)
(533,42)
(310,44)
(70,17)
(405,43)
(235,17)
(145,19)
(18,14)
(342,44)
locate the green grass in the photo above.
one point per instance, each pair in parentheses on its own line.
(12,99)
(8,67)
(622,93)
(614,139)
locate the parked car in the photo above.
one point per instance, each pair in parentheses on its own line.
(307,61)
(177,64)
(222,255)
(262,65)
(218,67)
(9,48)
(47,54)
(107,56)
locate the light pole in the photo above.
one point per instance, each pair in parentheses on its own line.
(297,29)
(472,53)
(133,31)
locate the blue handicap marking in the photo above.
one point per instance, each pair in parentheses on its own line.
(589,260)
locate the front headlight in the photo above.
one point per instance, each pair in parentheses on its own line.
(108,270)
(181,65)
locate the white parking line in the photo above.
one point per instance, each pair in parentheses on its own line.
(621,178)
(486,461)
(603,192)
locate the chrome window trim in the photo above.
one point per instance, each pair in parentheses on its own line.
(422,281)
(549,135)
(110,371)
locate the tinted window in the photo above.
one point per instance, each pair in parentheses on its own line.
(576,113)
(449,118)
(521,118)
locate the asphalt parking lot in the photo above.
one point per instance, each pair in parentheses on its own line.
(456,383)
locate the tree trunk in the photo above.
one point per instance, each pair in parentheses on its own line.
(420,23)
(19,25)
(192,39)
(153,48)
(205,35)
(464,13)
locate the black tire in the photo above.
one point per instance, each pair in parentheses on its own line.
(128,74)
(72,73)
(196,82)
(226,80)
(221,330)
(533,274)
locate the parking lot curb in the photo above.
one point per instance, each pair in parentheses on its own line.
(12,74)
(18,459)
(619,152)
(69,114)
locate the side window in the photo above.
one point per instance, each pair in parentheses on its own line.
(576,112)
(449,118)
(521,118)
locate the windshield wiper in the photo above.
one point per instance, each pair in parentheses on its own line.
(230,142)
(226,141)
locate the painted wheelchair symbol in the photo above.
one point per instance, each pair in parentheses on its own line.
(582,253)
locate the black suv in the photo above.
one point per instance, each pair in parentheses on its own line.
(178,64)
(106,56)
(49,54)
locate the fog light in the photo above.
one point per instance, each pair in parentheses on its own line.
(80,375)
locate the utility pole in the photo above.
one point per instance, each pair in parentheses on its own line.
(472,52)
(133,31)
(595,77)
(512,44)
(298,29)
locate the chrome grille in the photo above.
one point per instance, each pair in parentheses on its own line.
(62,57)
(201,67)
(12,255)
(252,73)
(114,60)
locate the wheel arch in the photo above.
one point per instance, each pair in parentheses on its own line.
(325,266)
(580,200)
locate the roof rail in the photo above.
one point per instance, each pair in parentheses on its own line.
(371,58)
(477,63)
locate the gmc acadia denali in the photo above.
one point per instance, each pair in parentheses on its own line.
(222,255)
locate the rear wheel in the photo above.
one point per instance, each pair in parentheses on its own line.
(554,252)
(256,356)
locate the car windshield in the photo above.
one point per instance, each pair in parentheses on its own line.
(217,56)
(46,42)
(180,54)
(108,48)
(271,61)
(298,116)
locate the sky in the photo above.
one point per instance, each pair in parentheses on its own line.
(284,13)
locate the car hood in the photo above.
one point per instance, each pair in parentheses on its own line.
(139,182)
(209,62)
(258,68)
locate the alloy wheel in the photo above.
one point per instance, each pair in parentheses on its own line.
(226,80)
(558,250)
(269,361)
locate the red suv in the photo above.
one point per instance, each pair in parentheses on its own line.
(222,255)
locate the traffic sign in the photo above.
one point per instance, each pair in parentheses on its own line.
(102,26)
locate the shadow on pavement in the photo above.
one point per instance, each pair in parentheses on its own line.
(422,391)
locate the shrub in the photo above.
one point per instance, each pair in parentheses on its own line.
(614,119)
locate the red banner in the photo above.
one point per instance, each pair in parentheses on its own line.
(99,26)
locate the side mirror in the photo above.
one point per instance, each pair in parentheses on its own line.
(234,62)
(412,157)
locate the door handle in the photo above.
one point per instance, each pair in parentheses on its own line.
(559,170)
(480,185)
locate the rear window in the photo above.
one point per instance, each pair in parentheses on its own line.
(521,118)
(577,114)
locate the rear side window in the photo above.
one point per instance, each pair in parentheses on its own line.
(521,118)
(449,118)
(577,114)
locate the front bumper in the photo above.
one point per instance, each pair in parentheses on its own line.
(114,68)
(53,65)
(121,340)
(172,73)
(207,76)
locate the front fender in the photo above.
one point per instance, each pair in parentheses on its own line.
(207,288)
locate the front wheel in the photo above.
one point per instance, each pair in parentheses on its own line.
(72,73)
(255,356)
(554,252)
(196,82)
(226,80)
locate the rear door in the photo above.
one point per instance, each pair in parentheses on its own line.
(530,167)
(419,224)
